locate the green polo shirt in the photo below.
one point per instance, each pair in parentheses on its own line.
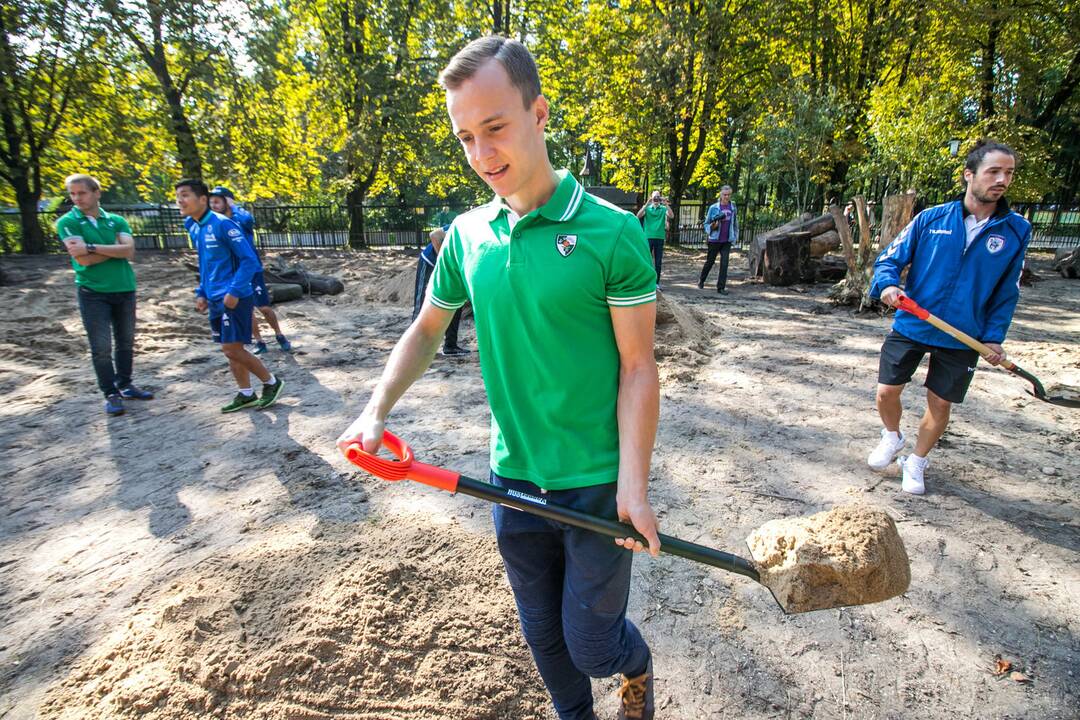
(541,294)
(112,275)
(656,221)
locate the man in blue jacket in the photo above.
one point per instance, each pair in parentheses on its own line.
(222,201)
(964,258)
(226,265)
(721,231)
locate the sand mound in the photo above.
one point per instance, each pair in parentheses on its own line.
(397,289)
(681,333)
(850,555)
(422,629)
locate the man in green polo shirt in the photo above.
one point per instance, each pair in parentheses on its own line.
(657,214)
(563,296)
(100,245)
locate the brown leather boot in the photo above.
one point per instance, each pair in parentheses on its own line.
(636,696)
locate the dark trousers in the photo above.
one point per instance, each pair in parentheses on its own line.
(423,277)
(724,251)
(108,317)
(656,247)
(571,587)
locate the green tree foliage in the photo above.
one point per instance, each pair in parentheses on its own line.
(791,101)
(44,70)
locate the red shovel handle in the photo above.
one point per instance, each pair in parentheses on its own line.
(404,468)
(908,305)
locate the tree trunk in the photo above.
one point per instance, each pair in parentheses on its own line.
(187,151)
(895,215)
(33,237)
(852,289)
(989,58)
(787,259)
(824,243)
(354,206)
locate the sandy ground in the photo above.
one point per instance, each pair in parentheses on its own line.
(177,563)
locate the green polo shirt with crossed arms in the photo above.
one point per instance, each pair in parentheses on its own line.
(655,221)
(112,275)
(542,294)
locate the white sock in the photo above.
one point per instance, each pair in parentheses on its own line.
(247,392)
(894,436)
(916,458)
(271,381)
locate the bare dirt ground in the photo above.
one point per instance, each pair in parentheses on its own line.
(177,563)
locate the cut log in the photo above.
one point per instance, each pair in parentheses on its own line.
(283,292)
(1067,262)
(895,216)
(831,268)
(787,259)
(824,243)
(310,282)
(816,226)
(756,253)
(313,283)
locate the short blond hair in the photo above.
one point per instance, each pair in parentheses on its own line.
(89,181)
(514,57)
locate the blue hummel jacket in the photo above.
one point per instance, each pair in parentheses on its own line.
(974,290)
(246,221)
(226,261)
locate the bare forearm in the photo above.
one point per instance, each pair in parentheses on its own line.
(638,412)
(88,260)
(410,358)
(125,251)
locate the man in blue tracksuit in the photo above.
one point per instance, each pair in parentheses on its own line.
(222,201)
(425,267)
(964,258)
(226,265)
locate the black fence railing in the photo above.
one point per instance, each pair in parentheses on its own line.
(400,226)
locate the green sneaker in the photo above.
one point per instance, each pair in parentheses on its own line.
(240,402)
(270,393)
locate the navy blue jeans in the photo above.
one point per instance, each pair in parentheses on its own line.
(656,248)
(571,587)
(716,248)
(109,316)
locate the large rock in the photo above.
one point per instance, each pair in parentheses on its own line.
(850,555)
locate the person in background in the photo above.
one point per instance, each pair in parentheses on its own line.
(657,213)
(227,263)
(100,245)
(425,266)
(721,231)
(223,201)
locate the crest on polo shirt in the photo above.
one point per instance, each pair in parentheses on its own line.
(565,244)
(994,243)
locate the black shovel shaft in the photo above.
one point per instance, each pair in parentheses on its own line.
(539,505)
(1038,390)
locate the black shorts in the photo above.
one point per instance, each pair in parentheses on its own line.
(950,370)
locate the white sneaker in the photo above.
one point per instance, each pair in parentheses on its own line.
(886,451)
(913,468)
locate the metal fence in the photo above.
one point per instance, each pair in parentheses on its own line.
(401,226)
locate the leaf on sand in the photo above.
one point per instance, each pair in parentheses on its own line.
(1019,677)
(1001,666)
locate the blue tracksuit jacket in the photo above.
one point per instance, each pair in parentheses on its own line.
(974,290)
(226,261)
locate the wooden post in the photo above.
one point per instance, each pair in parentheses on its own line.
(895,215)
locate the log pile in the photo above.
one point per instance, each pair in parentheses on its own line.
(279,272)
(291,282)
(1067,262)
(820,237)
